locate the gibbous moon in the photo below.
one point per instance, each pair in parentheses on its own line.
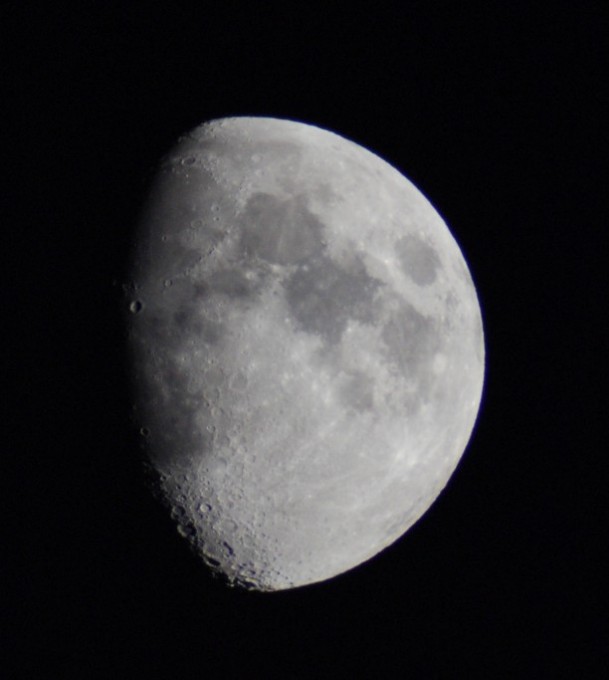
(307,349)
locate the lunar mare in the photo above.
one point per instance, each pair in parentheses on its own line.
(307,349)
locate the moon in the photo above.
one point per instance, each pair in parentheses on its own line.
(306,349)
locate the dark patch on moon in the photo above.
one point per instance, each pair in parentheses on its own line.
(411,340)
(280,231)
(188,324)
(419,261)
(232,283)
(323,296)
(214,236)
(357,392)
(174,437)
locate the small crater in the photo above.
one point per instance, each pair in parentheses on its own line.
(177,512)
(136,306)
(186,530)
(217,467)
(214,377)
(230,526)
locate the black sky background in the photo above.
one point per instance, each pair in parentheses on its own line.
(496,112)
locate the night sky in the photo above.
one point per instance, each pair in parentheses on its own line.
(495,111)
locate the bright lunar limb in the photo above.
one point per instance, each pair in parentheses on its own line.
(307,349)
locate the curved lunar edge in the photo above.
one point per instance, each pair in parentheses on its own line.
(307,349)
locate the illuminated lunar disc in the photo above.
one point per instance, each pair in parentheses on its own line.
(308,354)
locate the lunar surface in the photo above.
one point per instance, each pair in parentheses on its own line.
(307,349)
